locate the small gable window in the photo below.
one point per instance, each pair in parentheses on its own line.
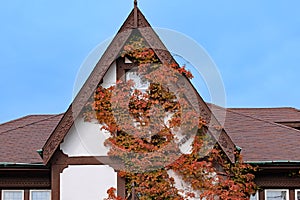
(127,61)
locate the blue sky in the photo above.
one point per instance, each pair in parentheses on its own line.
(255,45)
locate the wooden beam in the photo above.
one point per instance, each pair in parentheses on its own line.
(61,161)
(121,186)
(95,160)
(26,194)
(25,182)
(292,194)
(261,194)
(55,182)
(135,14)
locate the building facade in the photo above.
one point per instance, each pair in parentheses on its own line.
(45,157)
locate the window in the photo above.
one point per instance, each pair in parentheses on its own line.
(254,196)
(277,194)
(40,195)
(297,194)
(12,194)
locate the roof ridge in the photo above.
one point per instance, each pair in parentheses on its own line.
(23,117)
(273,123)
(27,116)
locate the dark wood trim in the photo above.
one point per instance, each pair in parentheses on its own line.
(121,186)
(61,161)
(279,180)
(283,167)
(55,182)
(0,194)
(23,169)
(122,67)
(261,194)
(90,160)
(38,183)
(14,178)
(26,194)
(135,14)
(292,194)
(64,160)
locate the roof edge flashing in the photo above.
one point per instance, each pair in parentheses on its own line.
(274,162)
(11,164)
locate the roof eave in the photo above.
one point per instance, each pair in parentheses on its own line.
(273,162)
(21,165)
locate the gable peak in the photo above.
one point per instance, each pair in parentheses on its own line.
(135,20)
(135,14)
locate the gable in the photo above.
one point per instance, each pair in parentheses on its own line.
(135,20)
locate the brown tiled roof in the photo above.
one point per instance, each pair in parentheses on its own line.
(21,138)
(262,140)
(252,129)
(284,114)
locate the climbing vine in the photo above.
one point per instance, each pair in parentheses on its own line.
(144,125)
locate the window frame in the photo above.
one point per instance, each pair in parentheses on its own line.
(296,190)
(277,190)
(30,193)
(3,191)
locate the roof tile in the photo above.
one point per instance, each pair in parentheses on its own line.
(21,138)
(262,140)
(281,114)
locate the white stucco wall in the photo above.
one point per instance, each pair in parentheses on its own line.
(182,185)
(86,182)
(90,182)
(86,138)
(110,77)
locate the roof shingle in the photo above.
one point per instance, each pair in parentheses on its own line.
(283,114)
(253,129)
(262,140)
(21,138)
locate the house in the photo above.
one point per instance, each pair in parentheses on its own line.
(269,139)
(51,156)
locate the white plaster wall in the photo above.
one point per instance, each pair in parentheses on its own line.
(86,138)
(110,77)
(182,185)
(86,182)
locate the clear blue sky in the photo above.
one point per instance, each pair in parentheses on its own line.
(255,44)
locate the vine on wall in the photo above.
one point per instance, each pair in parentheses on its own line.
(143,126)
